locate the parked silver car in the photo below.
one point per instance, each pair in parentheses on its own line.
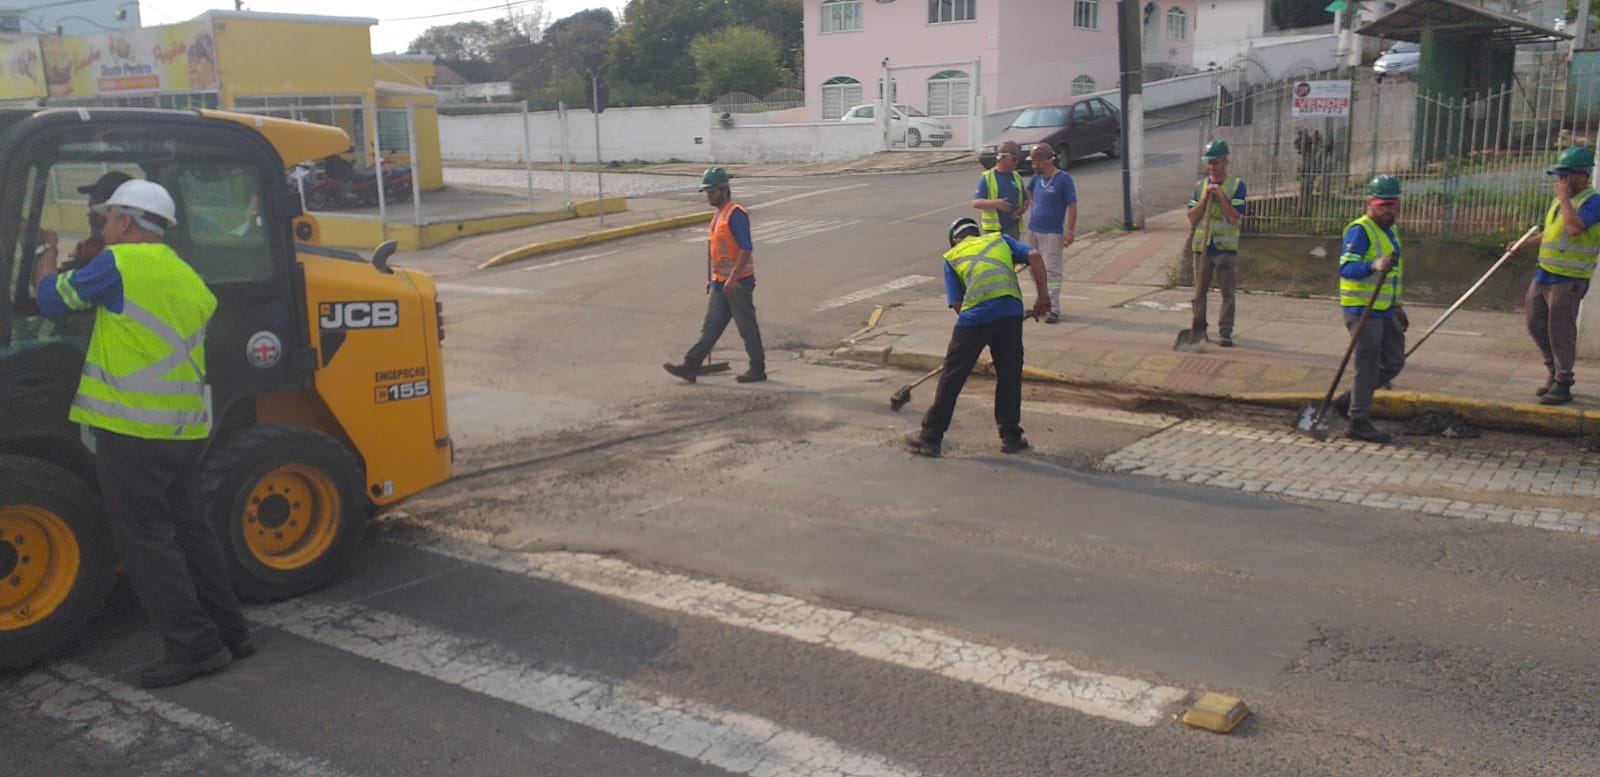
(907,125)
(1400,58)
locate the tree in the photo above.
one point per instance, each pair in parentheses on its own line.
(1294,14)
(578,43)
(466,47)
(736,59)
(650,54)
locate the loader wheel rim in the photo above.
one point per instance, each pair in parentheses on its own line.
(291,517)
(40,558)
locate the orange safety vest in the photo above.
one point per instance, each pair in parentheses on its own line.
(724,251)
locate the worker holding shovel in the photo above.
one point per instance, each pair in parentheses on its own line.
(1369,275)
(1216,210)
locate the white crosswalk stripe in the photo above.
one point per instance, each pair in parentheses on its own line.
(775,231)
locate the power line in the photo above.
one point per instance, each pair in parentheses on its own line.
(502,6)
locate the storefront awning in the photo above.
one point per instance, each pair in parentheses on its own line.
(1456,19)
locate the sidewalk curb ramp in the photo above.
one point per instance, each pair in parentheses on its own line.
(591,238)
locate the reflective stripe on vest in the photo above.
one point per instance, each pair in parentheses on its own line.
(1354,293)
(724,251)
(1224,236)
(1567,255)
(144,374)
(991,218)
(984,266)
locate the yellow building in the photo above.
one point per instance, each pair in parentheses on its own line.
(313,68)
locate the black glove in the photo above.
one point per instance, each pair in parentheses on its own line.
(1401,317)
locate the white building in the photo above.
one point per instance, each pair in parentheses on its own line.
(83,17)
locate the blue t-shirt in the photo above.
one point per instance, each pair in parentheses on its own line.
(97,283)
(1590,213)
(1356,242)
(1006,185)
(739,225)
(1051,198)
(1238,205)
(993,310)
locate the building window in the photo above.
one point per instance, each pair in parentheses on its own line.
(841,15)
(950,94)
(1177,24)
(839,95)
(941,11)
(1086,14)
(1082,85)
(394,132)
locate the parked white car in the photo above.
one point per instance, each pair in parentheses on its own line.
(906,125)
(1402,57)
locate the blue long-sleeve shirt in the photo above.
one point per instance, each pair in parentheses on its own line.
(1356,242)
(1590,213)
(96,283)
(993,310)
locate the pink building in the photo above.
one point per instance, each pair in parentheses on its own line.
(1027,50)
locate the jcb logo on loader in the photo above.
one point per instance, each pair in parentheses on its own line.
(359,315)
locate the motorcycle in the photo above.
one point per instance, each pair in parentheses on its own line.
(335,183)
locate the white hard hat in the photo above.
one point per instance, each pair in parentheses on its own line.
(143,196)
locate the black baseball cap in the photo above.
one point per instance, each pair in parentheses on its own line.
(101,190)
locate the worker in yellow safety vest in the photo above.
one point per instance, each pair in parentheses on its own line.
(1001,195)
(1372,256)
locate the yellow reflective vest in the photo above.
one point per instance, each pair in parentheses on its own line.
(144,374)
(1567,255)
(1354,292)
(984,266)
(991,218)
(1224,236)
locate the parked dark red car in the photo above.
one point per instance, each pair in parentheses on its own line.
(1075,129)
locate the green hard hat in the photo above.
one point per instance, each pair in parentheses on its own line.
(1578,159)
(1216,149)
(1385,187)
(714,177)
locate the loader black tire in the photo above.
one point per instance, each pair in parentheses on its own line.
(56,555)
(289,506)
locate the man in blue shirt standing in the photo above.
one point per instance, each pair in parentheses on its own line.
(981,287)
(1569,249)
(1000,194)
(1371,263)
(1053,220)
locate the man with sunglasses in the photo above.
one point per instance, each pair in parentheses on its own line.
(1001,195)
(1569,249)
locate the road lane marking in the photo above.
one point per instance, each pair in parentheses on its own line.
(564,262)
(875,291)
(1031,676)
(803,195)
(492,291)
(108,715)
(735,742)
(927,213)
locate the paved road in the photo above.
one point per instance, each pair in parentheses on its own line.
(633,576)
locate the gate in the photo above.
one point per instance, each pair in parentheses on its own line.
(945,93)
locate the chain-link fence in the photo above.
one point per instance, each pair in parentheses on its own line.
(1469,164)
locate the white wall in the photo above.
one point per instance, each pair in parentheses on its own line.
(823,142)
(1273,58)
(1221,28)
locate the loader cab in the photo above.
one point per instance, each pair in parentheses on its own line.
(229,189)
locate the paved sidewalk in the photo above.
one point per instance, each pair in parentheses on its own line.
(1120,322)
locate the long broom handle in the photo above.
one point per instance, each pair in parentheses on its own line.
(1355,337)
(1503,259)
(1202,261)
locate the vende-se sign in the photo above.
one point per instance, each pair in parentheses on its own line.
(1324,99)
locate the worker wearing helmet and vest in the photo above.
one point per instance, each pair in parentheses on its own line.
(1371,247)
(1569,249)
(1001,195)
(981,287)
(143,394)
(731,281)
(1222,215)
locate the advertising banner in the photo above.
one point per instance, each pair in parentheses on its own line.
(170,58)
(21,69)
(1323,99)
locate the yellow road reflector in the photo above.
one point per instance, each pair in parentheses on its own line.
(1216,713)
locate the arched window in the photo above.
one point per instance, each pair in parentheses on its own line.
(1177,24)
(839,95)
(950,94)
(841,16)
(1082,85)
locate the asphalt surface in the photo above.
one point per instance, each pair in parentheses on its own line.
(1365,642)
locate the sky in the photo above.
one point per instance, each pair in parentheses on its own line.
(387,36)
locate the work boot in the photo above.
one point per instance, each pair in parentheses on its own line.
(243,648)
(753,375)
(1052,317)
(1362,429)
(1013,443)
(1559,394)
(687,370)
(1225,340)
(169,671)
(923,446)
(1548,382)
(1341,403)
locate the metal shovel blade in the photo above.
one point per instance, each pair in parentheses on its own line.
(1190,340)
(1313,421)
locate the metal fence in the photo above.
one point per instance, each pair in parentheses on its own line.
(1469,164)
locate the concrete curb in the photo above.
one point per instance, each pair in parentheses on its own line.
(1390,405)
(534,249)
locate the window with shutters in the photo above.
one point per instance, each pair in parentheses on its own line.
(950,94)
(942,11)
(1082,85)
(1086,14)
(1177,24)
(839,95)
(841,16)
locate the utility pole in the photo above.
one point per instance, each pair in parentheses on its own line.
(1131,61)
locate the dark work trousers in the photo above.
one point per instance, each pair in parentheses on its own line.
(1553,322)
(1003,338)
(1224,274)
(1379,357)
(174,560)
(739,308)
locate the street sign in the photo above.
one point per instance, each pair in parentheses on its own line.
(1321,99)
